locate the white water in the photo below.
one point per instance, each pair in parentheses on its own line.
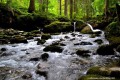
(60,66)
(74,26)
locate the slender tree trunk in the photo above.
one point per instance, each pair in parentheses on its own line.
(71,9)
(60,5)
(106,8)
(118,12)
(65,7)
(31,6)
(47,6)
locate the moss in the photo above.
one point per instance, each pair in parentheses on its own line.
(45,36)
(114,40)
(42,41)
(57,26)
(113,29)
(86,30)
(94,77)
(53,48)
(99,71)
(83,53)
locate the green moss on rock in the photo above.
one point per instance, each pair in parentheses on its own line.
(57,26)
(113,29)
(53,48)
(46,36)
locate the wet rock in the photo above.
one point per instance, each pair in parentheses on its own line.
(53,48)
(99,41)
(77,44)
(4,41)
(27,76)
(105,50)
(40,41)
(41,73)
(46,36)
(67,37)
(35,59)
(72,39)
(83,53)
(86,43)
(115,72)
(3,49)
(118,48)
(86,30)
(62,44)
(57,26)
(45,56)
(18,39)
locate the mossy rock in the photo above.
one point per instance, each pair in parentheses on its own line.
(103,71)
(18,39)
(46,36)
(118,48)
(83,53)
(105,50)
(86,30)
(53,48)
(113,29)
(40,41)
(57,26)
(94,77)
(114,40)
(99,41)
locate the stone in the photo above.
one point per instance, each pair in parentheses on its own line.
(86,43)
(45,56)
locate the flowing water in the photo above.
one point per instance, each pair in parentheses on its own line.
(60,66)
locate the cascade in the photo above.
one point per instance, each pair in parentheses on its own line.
(74,26)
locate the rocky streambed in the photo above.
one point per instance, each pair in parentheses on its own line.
(66,56)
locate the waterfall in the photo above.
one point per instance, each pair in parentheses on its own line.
(93,30)
(74,26)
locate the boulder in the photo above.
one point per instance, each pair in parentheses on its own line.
(35,59)
(45,56)
(41,73)
(53,48)
(98,41)
(46,36)
(18,39)
(83,53)
(105,50)
(86,43)
(58,26)
(27,76)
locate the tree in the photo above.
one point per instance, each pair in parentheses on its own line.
(60,6)
(31,6)
(71,9)
(65,7)
(106,7)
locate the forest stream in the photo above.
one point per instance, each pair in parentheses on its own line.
(24,59)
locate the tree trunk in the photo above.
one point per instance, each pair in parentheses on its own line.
(65,7)
(118,12)
(71,9)
(106,8)
(31,6)
(47,6)
(60,7)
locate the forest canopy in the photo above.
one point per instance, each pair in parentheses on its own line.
(68,8)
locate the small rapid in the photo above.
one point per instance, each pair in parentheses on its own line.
(60,66)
